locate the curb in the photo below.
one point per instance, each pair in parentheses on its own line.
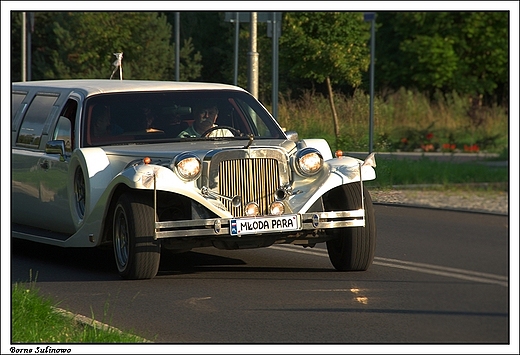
(433,155)
(464,184)
(78,318)
(449,209)
(489,159)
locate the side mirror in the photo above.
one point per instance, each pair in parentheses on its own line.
(56,147)
(292,136)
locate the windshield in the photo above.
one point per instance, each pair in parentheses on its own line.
(146,117)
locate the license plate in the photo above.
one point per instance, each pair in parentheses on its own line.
(256,225)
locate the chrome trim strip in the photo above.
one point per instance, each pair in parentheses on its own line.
(205,227)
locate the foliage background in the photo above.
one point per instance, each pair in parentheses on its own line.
(442,78)
(466,52)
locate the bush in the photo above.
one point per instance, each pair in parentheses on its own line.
(404,120)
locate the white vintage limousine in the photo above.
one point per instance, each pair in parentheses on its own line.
(158,167)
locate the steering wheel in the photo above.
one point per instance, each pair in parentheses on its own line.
(234,131)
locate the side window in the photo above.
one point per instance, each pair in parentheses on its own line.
(16,100)
(34,120)
(65,128)
(63,132)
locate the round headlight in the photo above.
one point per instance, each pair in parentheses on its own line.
(277,208)
(309,161)
(252,209)
(188,166)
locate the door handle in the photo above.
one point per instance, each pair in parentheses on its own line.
(45,164)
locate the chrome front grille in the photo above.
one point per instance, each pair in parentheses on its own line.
(253,179)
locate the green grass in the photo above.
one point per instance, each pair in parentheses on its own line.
(392,172)
(36,320)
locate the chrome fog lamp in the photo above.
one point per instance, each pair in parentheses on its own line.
(309,161)
(277,208)
(252,209)
(187,166)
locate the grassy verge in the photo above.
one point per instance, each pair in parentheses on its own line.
(439,174)
(36,320)
(403,120)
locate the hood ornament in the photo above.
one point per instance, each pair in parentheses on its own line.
(118,63)
(251,139)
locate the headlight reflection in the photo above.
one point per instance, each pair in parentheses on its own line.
(188,167)
(309,161)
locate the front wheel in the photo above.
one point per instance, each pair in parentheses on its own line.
(136,252)
(352,248)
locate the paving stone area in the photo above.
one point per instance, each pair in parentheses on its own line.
(471,200)
(482,200)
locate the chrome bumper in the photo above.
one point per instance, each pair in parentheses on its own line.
(220,227)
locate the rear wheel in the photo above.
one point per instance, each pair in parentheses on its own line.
(136,252)
(352,248)
(79,192)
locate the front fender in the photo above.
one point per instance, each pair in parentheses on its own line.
(141,177)
(336,172)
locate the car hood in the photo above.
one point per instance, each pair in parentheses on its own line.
(199,148)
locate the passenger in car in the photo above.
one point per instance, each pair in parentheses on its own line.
(204,118)
(172,124)
(149,117)
(101,125)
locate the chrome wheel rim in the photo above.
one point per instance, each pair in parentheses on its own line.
(121,238)
(79,192)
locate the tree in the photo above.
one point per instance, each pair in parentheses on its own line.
(328,47)
(82,45)
(213,39)
(466,52)
(189,66)
(463,52)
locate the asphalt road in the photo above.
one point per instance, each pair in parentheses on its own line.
(439,277)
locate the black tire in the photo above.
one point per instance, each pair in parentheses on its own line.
(136,252)
(352,248)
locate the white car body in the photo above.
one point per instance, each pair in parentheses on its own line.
(67,189)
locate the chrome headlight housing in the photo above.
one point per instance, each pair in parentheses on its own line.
(308,162)
(187,166)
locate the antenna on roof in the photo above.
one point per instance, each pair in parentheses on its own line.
(118,63)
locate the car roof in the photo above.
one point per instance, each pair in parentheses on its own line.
(97,86)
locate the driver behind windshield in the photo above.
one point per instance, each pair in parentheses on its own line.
(204,118)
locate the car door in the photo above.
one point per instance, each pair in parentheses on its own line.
(54,172)
(39,179)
